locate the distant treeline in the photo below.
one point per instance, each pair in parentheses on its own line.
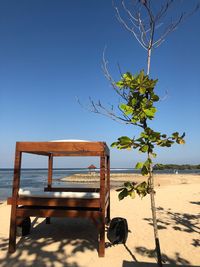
(176,167)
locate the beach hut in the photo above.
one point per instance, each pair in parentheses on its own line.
(91,169)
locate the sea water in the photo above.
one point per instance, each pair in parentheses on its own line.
(34,179)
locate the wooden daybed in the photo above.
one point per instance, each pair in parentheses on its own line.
(73,202)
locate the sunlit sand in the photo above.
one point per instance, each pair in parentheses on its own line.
(72,242)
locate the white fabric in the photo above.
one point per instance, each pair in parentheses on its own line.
(27,193)
(69,140)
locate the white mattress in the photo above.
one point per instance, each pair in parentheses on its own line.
(70,140)
(86,195)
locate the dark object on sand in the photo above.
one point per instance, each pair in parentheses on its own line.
(118,231)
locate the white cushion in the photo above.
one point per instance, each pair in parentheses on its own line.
(87,195)
(69,140)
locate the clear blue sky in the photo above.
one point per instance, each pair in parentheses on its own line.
(51,53)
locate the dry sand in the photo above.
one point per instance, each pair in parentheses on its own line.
(73,242)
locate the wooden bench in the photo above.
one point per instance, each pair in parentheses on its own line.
(72,202)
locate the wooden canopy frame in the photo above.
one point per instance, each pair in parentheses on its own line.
(98,209)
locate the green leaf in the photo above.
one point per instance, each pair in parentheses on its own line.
(141,75)
(175,135)
(155,98)
(142,189)
(125,140)
(183,135)
(128,185)
(133,102)
(139,165)
(142,90)
(144,148)
(120,84)
(150,112)
(132,194)
(144,171)
(126,109)
(123,194)
(119,189)
(114,144)
(180,141)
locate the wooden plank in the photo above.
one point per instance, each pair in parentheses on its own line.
(81,147)
(57,202)
(72,189)
(41,153)
(78,154)
(39,212)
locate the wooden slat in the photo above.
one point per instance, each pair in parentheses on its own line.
(62,147)
(41,153)
(39,212)
(56,202)
(78,154)
(71,189)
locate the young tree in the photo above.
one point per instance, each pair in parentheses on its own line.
(139,109)
(137,93)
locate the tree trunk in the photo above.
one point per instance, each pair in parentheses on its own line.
(151,185)
(153,209)
(148,61)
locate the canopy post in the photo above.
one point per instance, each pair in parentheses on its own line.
(50,171)
(13,217)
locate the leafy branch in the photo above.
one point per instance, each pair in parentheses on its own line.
(140,108)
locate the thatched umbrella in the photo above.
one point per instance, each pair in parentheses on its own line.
(91,168)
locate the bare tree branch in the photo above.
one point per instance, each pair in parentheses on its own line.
(142,27)
(163,11)
(108,76)
(129,12)
(100,109)
(130,29)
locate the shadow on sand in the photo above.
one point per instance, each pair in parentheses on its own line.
(195,202)
(179,221)
(36,249)
(150,264)
(58,244)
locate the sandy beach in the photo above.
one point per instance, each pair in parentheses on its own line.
(117,179)
(73,242)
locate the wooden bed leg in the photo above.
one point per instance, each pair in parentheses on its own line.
(101,251)
(13,216)
(12,235)
(48,220)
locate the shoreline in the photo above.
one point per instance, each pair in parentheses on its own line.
(160,179)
